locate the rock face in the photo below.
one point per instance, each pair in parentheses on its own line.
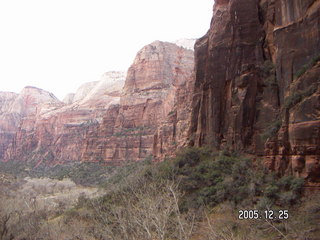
(107,89)
(296,147)
(257,83)
(134,129)
(31,100)
(122,117)
(254,89)
(14,107)
(8,121)
(57,133)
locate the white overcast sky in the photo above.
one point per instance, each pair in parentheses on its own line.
(57,45)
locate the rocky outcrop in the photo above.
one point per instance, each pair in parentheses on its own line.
(83,91)
(57,134)
(107,89)
(8,121)
(141,125)
(32,100)
(14,107)
(257,84)
(6,100)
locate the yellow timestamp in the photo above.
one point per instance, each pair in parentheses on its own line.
(264,214)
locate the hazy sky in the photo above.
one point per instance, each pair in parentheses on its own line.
(59,44)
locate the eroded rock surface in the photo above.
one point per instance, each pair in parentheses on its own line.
(56,133)
(257,83)
(141,126)
(123,117)
(8,121)
(14,107)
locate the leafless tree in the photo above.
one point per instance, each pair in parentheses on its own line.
(4,232)
(150,211)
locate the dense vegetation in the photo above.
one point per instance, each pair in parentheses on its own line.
(84,173)
(197,195)
(307,66)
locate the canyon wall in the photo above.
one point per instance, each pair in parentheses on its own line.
(8,121)
(56,133)
(123,117)
(252,86)
(15,107)
(146,123)
(257,83)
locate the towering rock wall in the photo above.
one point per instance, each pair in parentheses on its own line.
(113,120)
(296,38)
(140,126)
(228,84)
(257,83)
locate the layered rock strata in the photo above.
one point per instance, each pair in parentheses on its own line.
(8,121)
(113,120)
(57,134)
(142,124)
(14,107)
(257,83)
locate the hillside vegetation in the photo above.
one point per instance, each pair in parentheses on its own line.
(197,195)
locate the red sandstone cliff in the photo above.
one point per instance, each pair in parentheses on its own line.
(147,122)
(254,89)
(8,121)
(57,133)
(14,107)
(113,121)
(257,83)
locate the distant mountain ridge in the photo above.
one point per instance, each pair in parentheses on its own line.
(114,119)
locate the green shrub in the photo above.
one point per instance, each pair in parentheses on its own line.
(268,73)
(272,129)
(288,183)
(271,192)
(284,191)
(188,157)
(204,179)
(85,173)
(209,179)
(307,66)
(264,203)
(271,80)
(128,132)
(288,198)
(268,68)
(296,185)
(298,96)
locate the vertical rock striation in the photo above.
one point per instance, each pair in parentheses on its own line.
(15,107)
(140,126)
(8,121)
(257,83)
(228,84)
(295,149)
(119,118)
